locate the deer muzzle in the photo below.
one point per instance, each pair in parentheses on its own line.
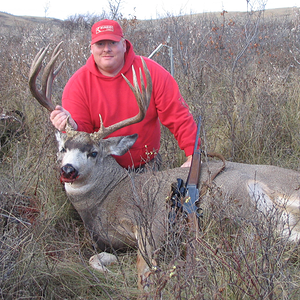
(68,173)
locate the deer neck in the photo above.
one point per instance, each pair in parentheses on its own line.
(97,187)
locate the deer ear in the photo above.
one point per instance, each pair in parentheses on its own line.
(119,145)
(60,137)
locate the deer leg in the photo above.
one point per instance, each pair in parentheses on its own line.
(143,271)
(145,262)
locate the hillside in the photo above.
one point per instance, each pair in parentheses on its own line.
(8,20)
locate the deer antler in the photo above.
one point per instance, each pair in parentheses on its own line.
(43,96)
(142,97)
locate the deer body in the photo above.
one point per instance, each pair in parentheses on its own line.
(108,193)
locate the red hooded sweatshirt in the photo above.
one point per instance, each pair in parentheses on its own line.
(88,93)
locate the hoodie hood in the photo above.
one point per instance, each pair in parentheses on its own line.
(129,58)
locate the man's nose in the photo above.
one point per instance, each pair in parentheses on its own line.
(107,47)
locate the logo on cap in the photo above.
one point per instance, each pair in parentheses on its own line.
(104,28)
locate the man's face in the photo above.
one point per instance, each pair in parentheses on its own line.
(109,56)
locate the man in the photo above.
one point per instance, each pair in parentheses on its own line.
(98,88)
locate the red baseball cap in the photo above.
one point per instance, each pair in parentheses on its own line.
(106,30)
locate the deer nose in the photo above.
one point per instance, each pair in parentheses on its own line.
(68,173)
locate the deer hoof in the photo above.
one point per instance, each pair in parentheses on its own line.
(101,260)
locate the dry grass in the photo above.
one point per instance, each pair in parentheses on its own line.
(246,89)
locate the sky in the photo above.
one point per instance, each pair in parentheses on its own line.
(62,9)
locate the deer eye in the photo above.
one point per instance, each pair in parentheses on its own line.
(63,150)
(93,154)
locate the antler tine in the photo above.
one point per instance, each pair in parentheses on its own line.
(44,95)
(142,98)
(148,91)
(49,75)
(33,73)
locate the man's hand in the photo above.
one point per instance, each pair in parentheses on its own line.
(188,162)
(59,117)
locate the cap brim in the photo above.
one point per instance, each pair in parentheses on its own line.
(109,37)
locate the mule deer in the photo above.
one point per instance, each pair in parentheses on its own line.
(123,209)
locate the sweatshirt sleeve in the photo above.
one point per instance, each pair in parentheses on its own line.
(173,111)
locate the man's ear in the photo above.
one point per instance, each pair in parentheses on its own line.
(119,145)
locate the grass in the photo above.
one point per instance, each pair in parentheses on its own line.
(237,257)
